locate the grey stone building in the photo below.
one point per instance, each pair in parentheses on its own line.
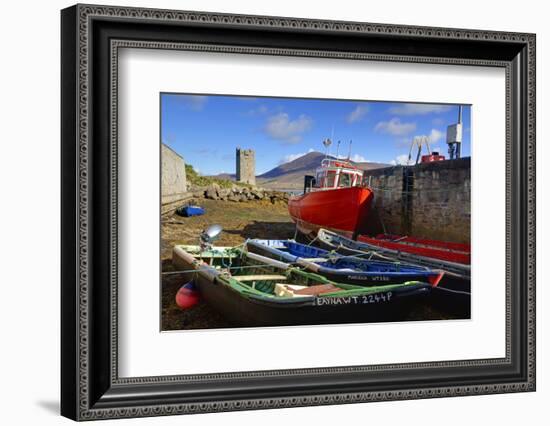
(430,200)
(246,166)
(174,180)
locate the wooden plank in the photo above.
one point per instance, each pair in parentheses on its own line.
(242,278)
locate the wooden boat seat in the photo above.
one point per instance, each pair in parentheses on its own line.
(315,290)
(242,278)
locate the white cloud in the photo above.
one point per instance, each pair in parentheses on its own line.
(395,127)
(357,158)
(291,157)
(195,102)
(400,160)
(435,135)
(260,110)
(281,127)
(357,114)
(419,109)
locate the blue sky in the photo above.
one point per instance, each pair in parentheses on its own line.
(206,129)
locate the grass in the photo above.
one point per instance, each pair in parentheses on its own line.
(195,179)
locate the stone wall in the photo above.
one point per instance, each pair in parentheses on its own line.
(429,200)
(246,166)
(237,193)
(174,181)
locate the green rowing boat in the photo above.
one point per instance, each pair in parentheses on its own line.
(252,290)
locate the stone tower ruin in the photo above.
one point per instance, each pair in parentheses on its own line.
(246,166)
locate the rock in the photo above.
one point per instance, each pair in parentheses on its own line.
(212,191)
(223,193)
(257,193)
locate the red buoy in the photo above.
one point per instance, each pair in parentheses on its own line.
(187,296)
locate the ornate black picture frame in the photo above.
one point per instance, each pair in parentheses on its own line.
(91,37)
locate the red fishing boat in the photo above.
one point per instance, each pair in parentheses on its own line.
(443,250)
(334,198)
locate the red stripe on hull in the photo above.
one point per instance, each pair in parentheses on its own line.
(432,252)
(343,209)
(425,242)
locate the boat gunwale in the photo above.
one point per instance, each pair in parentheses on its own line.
(413,269)
(216,276)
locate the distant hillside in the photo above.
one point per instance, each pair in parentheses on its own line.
(223,180)
(227,176)
(291,175)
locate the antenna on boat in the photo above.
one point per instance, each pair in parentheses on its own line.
(337,149)
(349,151)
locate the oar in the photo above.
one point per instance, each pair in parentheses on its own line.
(267,260)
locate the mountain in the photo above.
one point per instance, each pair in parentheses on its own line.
(226,176)
(303,164)
(291,175)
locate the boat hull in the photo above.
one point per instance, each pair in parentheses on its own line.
(449,252)
(384,305)
(343,269)
(254,313)
(342,245)
(344,210)
(452,294)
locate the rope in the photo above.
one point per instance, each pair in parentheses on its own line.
(186,271)
(312,241)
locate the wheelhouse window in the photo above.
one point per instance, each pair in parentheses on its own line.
(330,179)
(344,180)
(319,180)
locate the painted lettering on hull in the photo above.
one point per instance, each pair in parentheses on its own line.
(354,300)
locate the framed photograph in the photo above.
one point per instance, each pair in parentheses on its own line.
(263,212)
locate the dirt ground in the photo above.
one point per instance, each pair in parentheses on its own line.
(252,219)
(242,220)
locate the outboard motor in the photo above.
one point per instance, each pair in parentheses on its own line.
(209,235)
(309,182)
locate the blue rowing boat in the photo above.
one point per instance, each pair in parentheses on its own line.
(190,211)
(358,269)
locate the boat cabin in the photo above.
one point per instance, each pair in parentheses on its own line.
(334,174)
